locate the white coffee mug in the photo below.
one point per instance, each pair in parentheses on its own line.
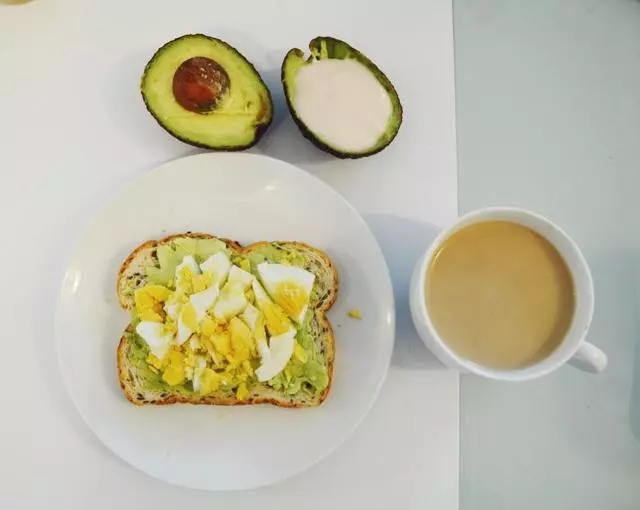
(573,348)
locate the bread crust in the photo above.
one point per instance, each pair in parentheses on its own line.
(126,384)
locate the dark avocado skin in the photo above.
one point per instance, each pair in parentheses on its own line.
(340,49)
(260,129)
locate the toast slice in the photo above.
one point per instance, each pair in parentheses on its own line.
(143,386)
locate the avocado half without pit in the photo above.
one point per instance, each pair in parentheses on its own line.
(205,93)
(340,99)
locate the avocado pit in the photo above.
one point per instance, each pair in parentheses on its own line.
(199,83)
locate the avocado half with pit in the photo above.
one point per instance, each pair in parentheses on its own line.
(205,93)
(340,99)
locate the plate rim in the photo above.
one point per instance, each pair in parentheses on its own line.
(106,202)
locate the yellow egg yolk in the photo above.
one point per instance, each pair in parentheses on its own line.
(258,330)
(154,362)
(246,366)
(157,292)
(291,297)
(174,374)
(189,317)
(242,393)
(242,341)
(245,265)
(209,347)
(184,280)
(201,282)
(355,314)
(275,319)
(189,360)
(209,381)
(170,326)
(209,325)
(300,353)
(222,342)
(148,302)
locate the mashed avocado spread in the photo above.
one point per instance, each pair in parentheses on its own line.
(223,349)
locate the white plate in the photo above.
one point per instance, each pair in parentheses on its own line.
(245,197)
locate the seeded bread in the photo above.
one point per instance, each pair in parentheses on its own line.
(134,375)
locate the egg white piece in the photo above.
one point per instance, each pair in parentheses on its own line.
(190,262)
(263,349)
(231,302)
(262,298)
(218,267)
(239,278)
(250,316)
(204,300)
(157,340)
(280,352)
(201,364)
(172,310)
(194,342)
(184,331)
(272,275)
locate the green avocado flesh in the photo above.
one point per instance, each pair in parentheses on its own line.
(340,100)
(205,93)
(310,377)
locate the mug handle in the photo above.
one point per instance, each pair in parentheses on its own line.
(589,358)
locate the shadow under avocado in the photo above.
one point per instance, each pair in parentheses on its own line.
(403,241)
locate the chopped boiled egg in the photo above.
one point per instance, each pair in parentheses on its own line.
(250,316)
(200,282)
(242,393)
(253,318)
(156,337)
(189,360)
(185,271)
(232,299)
(222,343)
(275,319)
(174,303)
(280,351)
(187,323)
(261,339)
(355,314)
(230,303)
(300,353)
(208,326)
(218,267)
(194,343)
(157,292)
(204,300)
(206,342)
(239,277)
(209,381)
(155,363)
(171,309)
(148,302)
(289,286)
(242,341)
(246,366)
(174,374)
(200,365)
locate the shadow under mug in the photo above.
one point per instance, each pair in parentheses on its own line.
(573,348)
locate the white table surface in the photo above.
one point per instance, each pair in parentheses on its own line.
(73,130)
(548,96)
